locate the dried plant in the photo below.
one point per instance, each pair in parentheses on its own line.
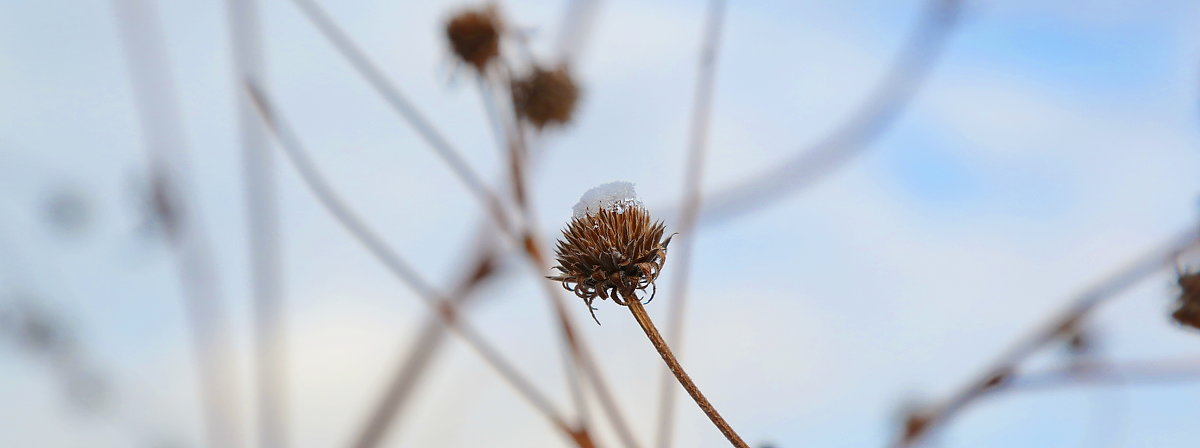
(545,97)
(1187,311)
(611,254)
(610,249)
(475,36)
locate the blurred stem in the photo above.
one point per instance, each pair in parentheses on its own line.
(656,339)
(177,210)
(580,356)
(440,304)
(706,75)
(270,345)
(882,108)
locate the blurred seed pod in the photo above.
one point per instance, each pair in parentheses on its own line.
(1187,310)
(545,97)
(474,36)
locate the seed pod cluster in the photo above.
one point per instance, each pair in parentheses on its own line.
(545,96)
(475,36)
(1187,311)
(611,254)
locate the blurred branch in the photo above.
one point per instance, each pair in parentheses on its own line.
(690,209)
(263,229)
(402,106)
(852,138)
(517,151)
(411,369)
(577,24)
(1101,373)
(1004,367)
(439,303)
(439,144)
(158,110)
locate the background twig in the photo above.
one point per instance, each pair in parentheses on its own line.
(270,359)
(690,209)
(1078,309)
(399,267)
(852,138)
(158,110)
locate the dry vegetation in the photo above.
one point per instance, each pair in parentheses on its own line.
(605,254)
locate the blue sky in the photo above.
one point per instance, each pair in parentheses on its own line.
(1052,143)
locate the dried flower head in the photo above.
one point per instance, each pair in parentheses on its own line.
(1188,309)
(545,96)
(610,249)
(475,36)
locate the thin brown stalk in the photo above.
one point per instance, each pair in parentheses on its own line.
(580,353)
(1079,308)
(160,116)
(690,208)
(395,264)
(852,138)
(571,358)
(402,106)
(263,228)
(442,146)
(643,319)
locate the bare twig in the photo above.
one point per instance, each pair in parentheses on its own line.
(263,224)
(690,208)
(411,369)
(1097,373)
(1079,308)
(402,106)
(852,138)
(159,113)
(515,138)
(401,269)
(643,319)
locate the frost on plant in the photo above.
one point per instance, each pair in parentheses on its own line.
(613,196)
(611,248)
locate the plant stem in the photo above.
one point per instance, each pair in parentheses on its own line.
(643,319)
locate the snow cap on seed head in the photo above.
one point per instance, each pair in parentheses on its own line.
(613,196)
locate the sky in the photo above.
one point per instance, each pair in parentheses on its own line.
(1051,143)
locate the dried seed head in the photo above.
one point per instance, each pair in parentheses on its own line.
(475,36)
(1188,307)
(545,97)
(612,250)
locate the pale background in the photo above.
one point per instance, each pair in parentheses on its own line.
(1053,142)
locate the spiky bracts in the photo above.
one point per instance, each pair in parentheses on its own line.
(1187,311)
(475,36)
(545,96)
(611,254)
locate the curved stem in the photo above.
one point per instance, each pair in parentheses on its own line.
(643,319)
